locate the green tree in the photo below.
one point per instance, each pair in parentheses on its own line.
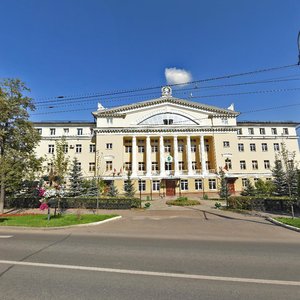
(90,187)
(129,186)
(113,191)
(76,179)
(249,189)
(224,190)
(18,138)
(263,188)
(280,187)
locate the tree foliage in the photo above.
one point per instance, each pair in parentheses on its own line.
(18,138)
(129,186)
(76,179)
(264,188)
(113,191)
(249,189)
(224,190)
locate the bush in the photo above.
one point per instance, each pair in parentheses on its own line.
(218,205)
(242,202)
(183,202)
(182,199)
(147,204)
(205,197)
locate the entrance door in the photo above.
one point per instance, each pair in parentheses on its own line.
(231,188)
(170,187)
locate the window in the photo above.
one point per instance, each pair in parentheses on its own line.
(193,140)
(141,149)
(194,165)
(264,147)
(78,165)
(206,147)
(92,167)
(243,165)
(274,130)
(127,141)
(285,131)
(79,131)
(184,185)
(226,144)
(109,120)
(128,149)
(262,131)
(228,164)
(198,184)
(241,147)
(140,141)
(181,165)
(155,185)
(142,185)
(78,148)
(109,165)
(52,131)
(239,131)
(51,149)
(180,148)
(128,166)
(276,147)
(154,148)
(92,148)
(244,182)
(268,179)
(39,130)
(212,184)
(154,166)
(254,164)
(168,121)
(109,146)
(251,131)
(141,166)
(255,180)
(168,166)
(168,148)
(224,120)
(66,148)
(252,147)
(193,148)
(167,141)
(49,167)
(267,164)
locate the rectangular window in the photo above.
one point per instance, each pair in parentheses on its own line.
(109,120)
(154,166)
(194,165)
(168,166)
(285,131)
(92,167)
(224,121)
(66,130)
(154,148)
(244,182)
(140,141)
(193,148)
(226,144)
(142,185)
(228,164)
(128,149)
(181,165)
(254,164)
(78,148)
(49,167)
(239,131)
(128,166)
(206,148)
(79,131)
(52,131)
(51,149)
(276,147)
(141,149)
(243,165)
(141,166)
(198,184)
(264,147)
(109,165)
(267,164)
(108,146)
(78,165)
(184,185)
(212,184)
(274,130)
(180,148)
(92,148)
(262,131)
(251,131)
(66,148)
(168,148)
(252,147)
(241,147)
(155,185)
(39,130)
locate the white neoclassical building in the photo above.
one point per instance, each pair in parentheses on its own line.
(172,146)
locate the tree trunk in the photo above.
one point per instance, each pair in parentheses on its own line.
(2,196)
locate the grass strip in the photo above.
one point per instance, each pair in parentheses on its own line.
(289,221)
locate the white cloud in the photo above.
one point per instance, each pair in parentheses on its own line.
(176,76)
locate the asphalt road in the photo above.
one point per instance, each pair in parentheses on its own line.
(184,254)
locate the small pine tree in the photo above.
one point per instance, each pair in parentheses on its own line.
(129,186)
(280,186)
(90,187)
(224,190)
(113,191)
(249,189)
(76,180)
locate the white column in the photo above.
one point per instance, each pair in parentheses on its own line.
(189,155)
(176,167)
(162,155)
(202,151)
(148,156)
(133,161)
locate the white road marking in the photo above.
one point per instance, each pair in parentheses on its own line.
(5,236)
(150,273)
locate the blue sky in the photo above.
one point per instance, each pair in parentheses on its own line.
(77,47)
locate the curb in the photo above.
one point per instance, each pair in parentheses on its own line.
(62,227)
(282,224)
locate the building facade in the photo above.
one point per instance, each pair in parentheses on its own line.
(172,146)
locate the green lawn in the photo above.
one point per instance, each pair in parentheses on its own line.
(293,222)
(57,221)
(184,202)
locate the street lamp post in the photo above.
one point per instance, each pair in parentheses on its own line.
(140,188)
